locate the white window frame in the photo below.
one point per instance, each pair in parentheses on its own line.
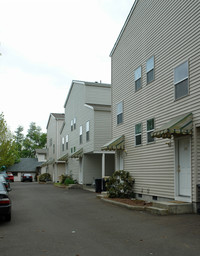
(72,125)
(138,134)
(138,77)
(181,75)
(87,130)
(67,142)
(63,143)
(150,67)
(81,134)
(150,131)
(120,112)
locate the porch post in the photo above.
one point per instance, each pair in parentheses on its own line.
(103,169)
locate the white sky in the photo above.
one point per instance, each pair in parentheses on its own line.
(45,44)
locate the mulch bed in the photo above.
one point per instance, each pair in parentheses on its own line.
(134,202)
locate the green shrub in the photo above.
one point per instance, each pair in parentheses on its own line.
(120,185)
(45,177)
(68,181)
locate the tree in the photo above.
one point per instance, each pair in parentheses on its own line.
(8,148)
(33,140)
(19,138)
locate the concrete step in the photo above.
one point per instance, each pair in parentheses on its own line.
(157,210)
(174,207)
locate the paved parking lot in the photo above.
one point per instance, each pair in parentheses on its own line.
(50,221)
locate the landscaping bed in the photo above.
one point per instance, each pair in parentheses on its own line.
(133,202)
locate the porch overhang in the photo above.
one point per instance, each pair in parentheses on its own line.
(64,158)
(77,154)
(180,125)
(48,162)
(115,144)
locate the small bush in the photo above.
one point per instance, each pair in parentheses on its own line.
(45,177)
(69,181)
(120,185)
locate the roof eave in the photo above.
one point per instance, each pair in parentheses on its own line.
(123,28)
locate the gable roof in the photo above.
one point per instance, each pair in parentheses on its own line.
(25,165)
(57,116)
(124,27)
(96,84)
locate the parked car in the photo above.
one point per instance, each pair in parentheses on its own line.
(5,182)
(4,173)
(26,177)
(5,203)
(11,177)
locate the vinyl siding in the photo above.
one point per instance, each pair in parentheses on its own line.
(77,106)
(169,31)
(92,168)
(97,95)
(102,129)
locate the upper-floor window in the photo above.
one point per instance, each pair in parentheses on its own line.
(81,134)
(63,143)
(50,142)
(181,80)
(138,75)
(150,69)
(120,112)
(87,131)
(138,134)
(72,125)
(54,149)
(150,129)
(67,142)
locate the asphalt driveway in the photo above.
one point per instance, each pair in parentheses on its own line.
(50,221)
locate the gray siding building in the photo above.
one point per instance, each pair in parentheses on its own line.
(54,166)
(86,128)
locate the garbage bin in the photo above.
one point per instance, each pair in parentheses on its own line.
(98,188)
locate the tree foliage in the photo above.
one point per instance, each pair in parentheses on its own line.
(8,147)
(33,140)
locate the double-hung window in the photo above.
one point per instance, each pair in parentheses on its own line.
(150,129)
(87,131)
(137,76)
(120,112)
(138,134)
(81,134)
(72,125)
(150,69)
(181,80)
(67,142)
(63,143)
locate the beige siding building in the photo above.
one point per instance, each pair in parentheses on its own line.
(54,166)
(87,126)
(156,99)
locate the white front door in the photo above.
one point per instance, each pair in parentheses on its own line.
(183,169)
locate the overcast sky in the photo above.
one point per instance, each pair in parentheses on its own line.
(45,44)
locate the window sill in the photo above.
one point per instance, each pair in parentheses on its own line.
(181,97)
